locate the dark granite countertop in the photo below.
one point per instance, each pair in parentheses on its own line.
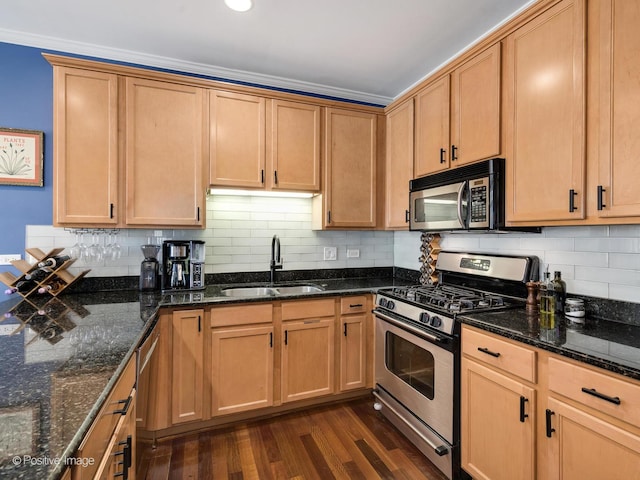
(60,358)
(213,294)
(611,345)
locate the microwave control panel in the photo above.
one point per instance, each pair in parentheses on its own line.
(478,193)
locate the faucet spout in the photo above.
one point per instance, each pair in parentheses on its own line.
(276,260)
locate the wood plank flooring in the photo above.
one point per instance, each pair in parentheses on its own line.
(348,440)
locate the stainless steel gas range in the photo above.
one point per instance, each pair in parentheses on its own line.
(417,345)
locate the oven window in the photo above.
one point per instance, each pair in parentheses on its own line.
(410,363)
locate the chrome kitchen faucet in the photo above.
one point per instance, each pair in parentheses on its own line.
(276,260)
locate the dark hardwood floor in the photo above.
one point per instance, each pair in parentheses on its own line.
(346,440)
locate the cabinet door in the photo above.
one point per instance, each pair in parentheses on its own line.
(497,439)
(619,169)
(475,108)
(398,165)
(353,352)
(242,369)
(294,146)
(583,446)
(85,148)
(350,177)
(545,116)
(164,154)
(307,358)
(236,139)
(432,128)
(187,371)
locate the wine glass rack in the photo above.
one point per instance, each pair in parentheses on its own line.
(43,312)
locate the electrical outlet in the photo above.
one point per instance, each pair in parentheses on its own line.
(330,253)
(353,253)
(8,258)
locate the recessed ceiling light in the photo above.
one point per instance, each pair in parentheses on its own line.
(239,5)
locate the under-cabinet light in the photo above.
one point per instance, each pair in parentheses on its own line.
(257,193)
(239,5)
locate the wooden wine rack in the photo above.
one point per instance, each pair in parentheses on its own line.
(429,251)
(59,274)
(45,314)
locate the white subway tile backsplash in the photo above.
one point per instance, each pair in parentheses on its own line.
(599,261)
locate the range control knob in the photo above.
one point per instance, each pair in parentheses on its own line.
(383,302)
(436,321)
(391,305)
(424,318)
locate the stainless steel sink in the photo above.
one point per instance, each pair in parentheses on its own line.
(249,292)
(296,289)
(270,291)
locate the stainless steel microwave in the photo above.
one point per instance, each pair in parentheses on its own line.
(470,197)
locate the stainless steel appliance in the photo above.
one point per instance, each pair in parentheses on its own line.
(183,265)
(417,345)
(470,197)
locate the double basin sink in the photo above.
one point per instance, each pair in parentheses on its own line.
(271,291)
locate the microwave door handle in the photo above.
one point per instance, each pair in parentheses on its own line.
(460,195)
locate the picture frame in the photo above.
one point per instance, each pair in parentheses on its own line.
(21,157)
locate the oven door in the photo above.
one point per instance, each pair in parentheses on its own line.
(417,372)
(440,208)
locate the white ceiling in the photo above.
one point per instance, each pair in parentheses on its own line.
(365,50)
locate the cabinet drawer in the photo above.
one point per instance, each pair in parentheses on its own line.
(241,314)
(355,304)
(601,391)
(519,361)
(97,440)
(324,307)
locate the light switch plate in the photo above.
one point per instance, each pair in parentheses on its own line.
(330,253)
(7,258)
(353,253)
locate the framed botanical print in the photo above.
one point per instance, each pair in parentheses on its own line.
(21,157)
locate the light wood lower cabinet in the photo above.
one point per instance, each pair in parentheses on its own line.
(307,351)
(187,378)
(570,421)
(242,358)
(115,422)
(353,342)
(494,429)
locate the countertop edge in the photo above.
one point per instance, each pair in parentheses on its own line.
(80,435)
(595,361)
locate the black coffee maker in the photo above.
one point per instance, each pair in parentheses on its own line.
(149,268)
(183,265)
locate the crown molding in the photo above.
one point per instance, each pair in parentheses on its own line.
(98,52)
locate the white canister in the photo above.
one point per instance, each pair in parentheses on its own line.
(574,308)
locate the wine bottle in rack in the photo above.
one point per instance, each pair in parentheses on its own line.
(22,286)
(38,275)
(53,287)
(54,262)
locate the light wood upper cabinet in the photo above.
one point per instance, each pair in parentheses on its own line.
(458,115)
(545,116)
(293,146)
(618,168)
(237,139)
(164,153)
(475,108)
(432,128)
(349,190)
(398,165)
(85,147)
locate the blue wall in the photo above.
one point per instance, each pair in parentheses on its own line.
(26,101)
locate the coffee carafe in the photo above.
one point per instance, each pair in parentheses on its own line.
(149,268)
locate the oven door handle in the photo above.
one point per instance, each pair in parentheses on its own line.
(409,328)
(441,450)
